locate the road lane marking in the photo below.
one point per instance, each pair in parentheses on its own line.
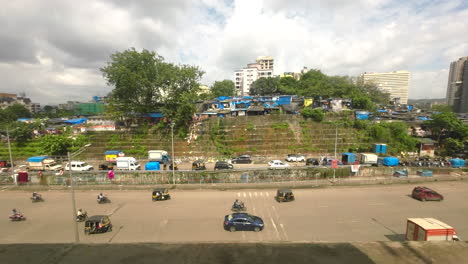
(274,210)
(261,194)
(255,194)
(276,229)
(267,194)
(250,194)
(284,232)
(238,195)
(245,195)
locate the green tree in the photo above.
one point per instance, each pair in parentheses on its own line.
(445,125)
(22,133)
(223,88)
(314,114)
(362,102)
(55,144)
(143,83)
(451,146)
(287,85)
(264,86)
(441,108)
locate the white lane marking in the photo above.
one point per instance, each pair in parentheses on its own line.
(254,210)
(267,194)
(261,194)
(284,231)
(274,210)
(250,194)
(255,194)
(276,229)
(245,195)
(238,195)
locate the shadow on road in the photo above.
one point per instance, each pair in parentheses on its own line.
(396,237)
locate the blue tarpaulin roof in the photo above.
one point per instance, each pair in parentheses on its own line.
(424,118)
(154,115)
(112,152)
(76,121)
(222,98)
(348,154)
(23,119)
(382,111)
(37,159)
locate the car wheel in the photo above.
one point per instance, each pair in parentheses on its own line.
(232,229)
(257,229)
(423,199)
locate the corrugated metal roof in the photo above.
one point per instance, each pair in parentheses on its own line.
(430,223)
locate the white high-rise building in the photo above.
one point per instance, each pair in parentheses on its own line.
(395,83)
(457,87)
(243,78)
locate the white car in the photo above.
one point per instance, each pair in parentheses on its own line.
(278,164)
(295,158)
(79,166)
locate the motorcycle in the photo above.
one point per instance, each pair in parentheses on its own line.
(17,217)
(36,199)
(239,208)
(82,217)
(103,200)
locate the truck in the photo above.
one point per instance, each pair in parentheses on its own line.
(160,156)
(429,229)
(43,163)
(127,163)
(368,158)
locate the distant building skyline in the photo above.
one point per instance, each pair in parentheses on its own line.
(262,68)
(457,86)
(396,83)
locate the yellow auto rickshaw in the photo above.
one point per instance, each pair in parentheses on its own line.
(161,194)
(97,224)
(284,195)
(198,165)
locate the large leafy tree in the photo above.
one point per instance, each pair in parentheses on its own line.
(143,83)
(446,125)
(264,86)
(223,88)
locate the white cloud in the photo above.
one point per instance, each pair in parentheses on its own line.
(52,50)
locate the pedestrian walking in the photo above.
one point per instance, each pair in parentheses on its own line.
(110,174)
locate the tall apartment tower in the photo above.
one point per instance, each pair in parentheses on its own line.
(265,62)
(395,83)
(243,78)
(457,87)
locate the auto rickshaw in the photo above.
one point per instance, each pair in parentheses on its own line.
(198,165)
(97,224)
(161,194)
(284,195)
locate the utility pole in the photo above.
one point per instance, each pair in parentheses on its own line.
(173,161)
(336,142)
(11,157)
(77,236)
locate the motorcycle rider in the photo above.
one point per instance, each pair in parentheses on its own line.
(80,214)
(102,197)
(238,204)
(36,196)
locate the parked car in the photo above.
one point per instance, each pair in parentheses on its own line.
(78,166)
(278,164)
(223,165)
(246,159)
(295,158)
(426,194)
(312,161)
(243,222)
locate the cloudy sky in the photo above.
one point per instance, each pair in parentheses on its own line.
(52,50)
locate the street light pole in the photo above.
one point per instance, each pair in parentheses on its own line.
(336,142)
(173,169)
(77,237)
(11,157)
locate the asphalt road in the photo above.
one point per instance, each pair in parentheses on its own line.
(341,214)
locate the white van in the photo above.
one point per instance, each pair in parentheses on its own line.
(127,163)
(79,166)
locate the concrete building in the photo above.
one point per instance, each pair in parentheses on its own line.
(395,83)
(265,62)
(244,78)
(7,99)
(457,87)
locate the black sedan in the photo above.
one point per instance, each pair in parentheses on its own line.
(243,222)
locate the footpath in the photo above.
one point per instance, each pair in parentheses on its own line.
(319,183)
(214,253)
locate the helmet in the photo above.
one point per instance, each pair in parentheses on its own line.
(80,209)
(237,200)
(100,194)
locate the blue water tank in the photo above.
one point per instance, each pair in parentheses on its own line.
(457,163)
(383,148)
(152,165)
(377,148)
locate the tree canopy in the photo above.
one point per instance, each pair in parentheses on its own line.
(223,88)
(144,83)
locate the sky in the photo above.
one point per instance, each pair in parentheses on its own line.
(52,50)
